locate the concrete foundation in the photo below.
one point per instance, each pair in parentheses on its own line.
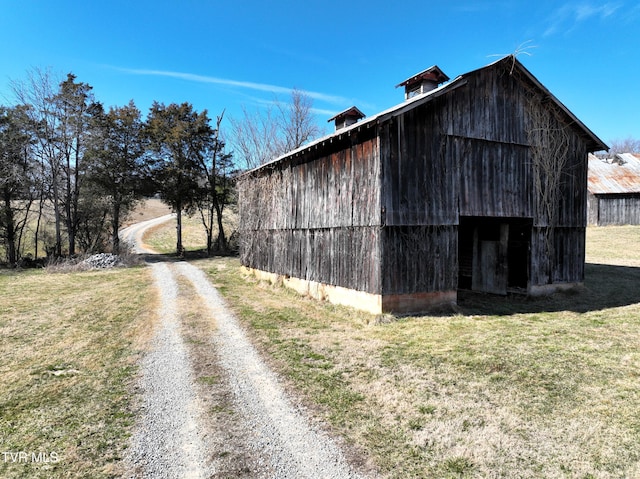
(369,302)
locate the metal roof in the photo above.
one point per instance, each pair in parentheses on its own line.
(617,175)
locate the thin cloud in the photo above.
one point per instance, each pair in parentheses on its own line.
(321,112)
(275,102)
(235,83)
(568,17)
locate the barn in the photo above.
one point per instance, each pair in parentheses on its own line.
(475,183)
(614,190)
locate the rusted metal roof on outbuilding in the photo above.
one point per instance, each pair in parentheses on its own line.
(617,175)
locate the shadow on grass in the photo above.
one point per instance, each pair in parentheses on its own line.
(188,256)
(605,286)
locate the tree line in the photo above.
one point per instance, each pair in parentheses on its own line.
(61,150)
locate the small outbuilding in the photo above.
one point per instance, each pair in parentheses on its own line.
(614,190)
(474,183)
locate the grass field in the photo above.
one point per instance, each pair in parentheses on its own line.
(508,387)
(618,245)
(162,238)
(146,210)
(67,361)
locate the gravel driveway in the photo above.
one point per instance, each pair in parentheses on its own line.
(133,234)
(175,437)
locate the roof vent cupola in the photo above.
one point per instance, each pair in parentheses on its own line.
(423,82)
(347,117)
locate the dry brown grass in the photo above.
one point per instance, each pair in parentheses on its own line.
(509,387)
(162,238)
(147,210)
(69,350)
(613,245)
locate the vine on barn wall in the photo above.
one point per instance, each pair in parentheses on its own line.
(549,141)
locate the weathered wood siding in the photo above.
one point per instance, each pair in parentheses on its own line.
(568,264)
(573,205)
(491,107)
(317,216)
(419,259)
(339,189)
(348,257)
(420,180)
(614,209)
(420,205)
(495,179)
(488,120)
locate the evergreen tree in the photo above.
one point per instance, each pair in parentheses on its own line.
(178,135)
(74,107)
(117,163)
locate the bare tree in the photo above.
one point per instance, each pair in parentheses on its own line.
(62,115)
(37,91)
(216,168)
(627,145)
(261,136)
(16,193)
(255,137)
(296,122)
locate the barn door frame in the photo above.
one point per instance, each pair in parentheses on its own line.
(494,254)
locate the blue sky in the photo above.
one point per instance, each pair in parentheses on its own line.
(221,55)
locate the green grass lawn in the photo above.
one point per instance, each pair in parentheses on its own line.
(508,387)
(67,361)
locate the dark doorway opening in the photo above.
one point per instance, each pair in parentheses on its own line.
(494,254)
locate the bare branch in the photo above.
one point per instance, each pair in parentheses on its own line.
(260,136)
